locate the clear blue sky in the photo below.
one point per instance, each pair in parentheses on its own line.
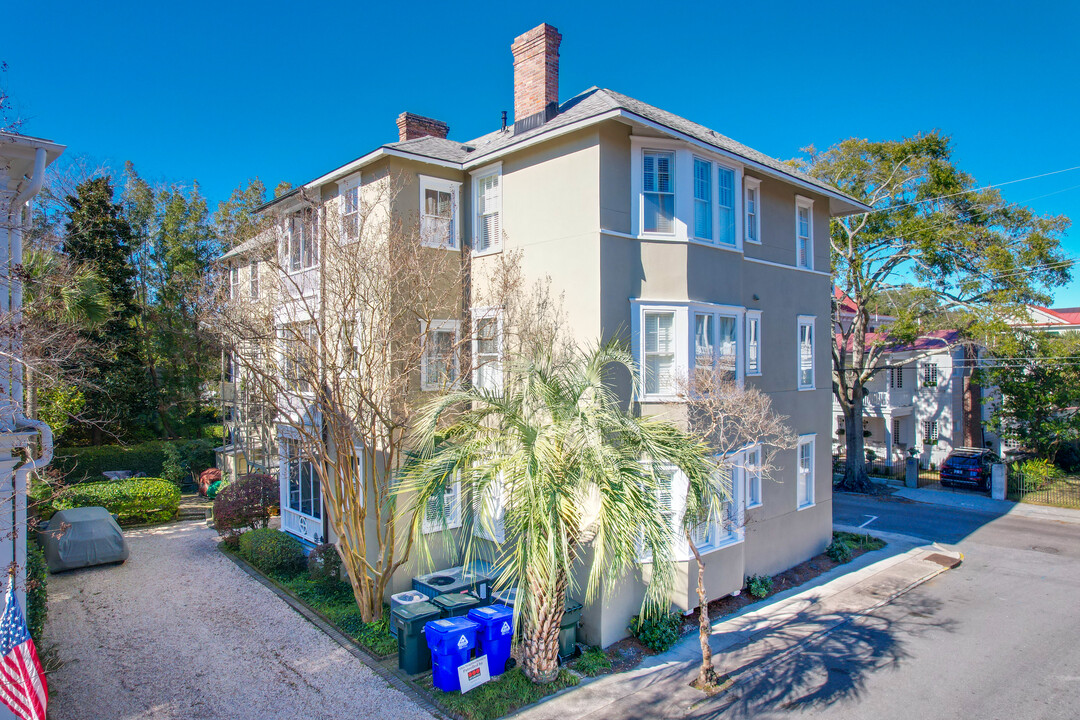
(220,92)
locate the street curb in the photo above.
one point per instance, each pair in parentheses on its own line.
(391,678)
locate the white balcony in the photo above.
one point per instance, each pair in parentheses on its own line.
(883,401)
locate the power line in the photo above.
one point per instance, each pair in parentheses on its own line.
(975,190)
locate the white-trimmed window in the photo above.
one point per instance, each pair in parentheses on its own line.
(753,342)
(805,472)
(234,281)
(439,361)
(703,199)
(716,341)
(303,232)
(490,512)
(658,187)
(659,352)
(487,201)
(804,232)
(753,477)
(305,491)
(487,349)
(350,211)
(445,512)
(253,279)
(806,352)
(725,218)
(752,206)
(930,375)
(439,206)
(299,345)
(930,432)
(896,377)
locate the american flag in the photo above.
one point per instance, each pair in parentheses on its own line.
(22,679)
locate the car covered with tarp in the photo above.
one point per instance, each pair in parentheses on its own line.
(81,537)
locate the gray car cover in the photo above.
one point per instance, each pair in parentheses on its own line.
(81,537)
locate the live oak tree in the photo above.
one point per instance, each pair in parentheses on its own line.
(739,427)
(967,250)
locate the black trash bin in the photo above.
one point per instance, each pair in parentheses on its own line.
(412,649)
(456,604)
(568,629)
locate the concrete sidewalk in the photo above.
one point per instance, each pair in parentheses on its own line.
(981,503)
(749,643)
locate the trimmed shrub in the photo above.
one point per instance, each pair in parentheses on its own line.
(37,580)
(839,551)
(657,633)
(87,464)
(273,552)
(247,504)
(759,585)
(141,500)
(324,564)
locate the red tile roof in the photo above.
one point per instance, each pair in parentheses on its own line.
(933,340)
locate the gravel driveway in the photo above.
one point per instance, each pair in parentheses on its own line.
(179,631)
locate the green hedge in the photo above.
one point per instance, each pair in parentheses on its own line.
(272,551)
(87,464)
(37,578)
(142,500)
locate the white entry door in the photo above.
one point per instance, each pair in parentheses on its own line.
(301,508)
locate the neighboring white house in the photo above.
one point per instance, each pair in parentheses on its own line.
(22,168)
(1052,320)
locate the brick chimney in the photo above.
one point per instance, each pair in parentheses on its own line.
(536,71)
(411,126)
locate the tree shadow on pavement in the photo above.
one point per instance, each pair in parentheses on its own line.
(834,664)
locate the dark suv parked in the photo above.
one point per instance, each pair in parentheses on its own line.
(968,467)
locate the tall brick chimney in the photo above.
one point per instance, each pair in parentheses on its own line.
(411,126)
(536,71)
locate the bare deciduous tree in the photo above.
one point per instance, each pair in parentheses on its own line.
(739,426)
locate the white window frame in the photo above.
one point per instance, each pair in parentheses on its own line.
(253,279)
(477,177)
(931,432)
(804,321)
(804,479)
(896,377)
(752,473)
(234,281)
(683,186)
(448,521)
(801,203)
(753,317)
(454,189)
(736,315)
(710,201)
(679,330)
(426,330)
(350,185)
(931,375)
(489,313)
(752,223)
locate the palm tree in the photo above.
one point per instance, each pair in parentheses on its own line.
(570,467)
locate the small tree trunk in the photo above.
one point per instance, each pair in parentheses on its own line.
(540,649)
(855,477)
(707,677)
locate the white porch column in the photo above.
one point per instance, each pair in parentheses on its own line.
(888,438)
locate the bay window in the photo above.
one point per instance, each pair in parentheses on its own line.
(725,219)
(702,199)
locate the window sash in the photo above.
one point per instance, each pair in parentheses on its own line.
(253,273)
(753,362)
(725,221)
(803,223)
(350,214)
(488,212)
(658,170)
(659,352)
(437,221)
(806,473)
(753,477)
(450,517)
(806,355)
(751,214)
(439,364)
(702,199)
(487,351)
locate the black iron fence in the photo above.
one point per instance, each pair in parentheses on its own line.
(1043,488)
(876,468)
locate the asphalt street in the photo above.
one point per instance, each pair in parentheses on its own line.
(996,637)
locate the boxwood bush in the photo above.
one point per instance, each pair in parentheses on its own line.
(141,500)
(246,504)
(273,552)
(87,464)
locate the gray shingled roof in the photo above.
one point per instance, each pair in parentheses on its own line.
(260,240)
(591,103)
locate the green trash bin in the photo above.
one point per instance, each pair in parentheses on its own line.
(456,604)
(568,629)
(413,655)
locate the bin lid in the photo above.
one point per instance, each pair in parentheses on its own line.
(452,601)
(450,625)
(409,596)
(491,613)
(416,611)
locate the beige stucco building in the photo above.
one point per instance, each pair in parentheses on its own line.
(654,229)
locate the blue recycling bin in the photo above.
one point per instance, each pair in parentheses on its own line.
(451,641)
(496,630)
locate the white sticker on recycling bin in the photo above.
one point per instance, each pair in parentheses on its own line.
(505,628)
(462,643)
